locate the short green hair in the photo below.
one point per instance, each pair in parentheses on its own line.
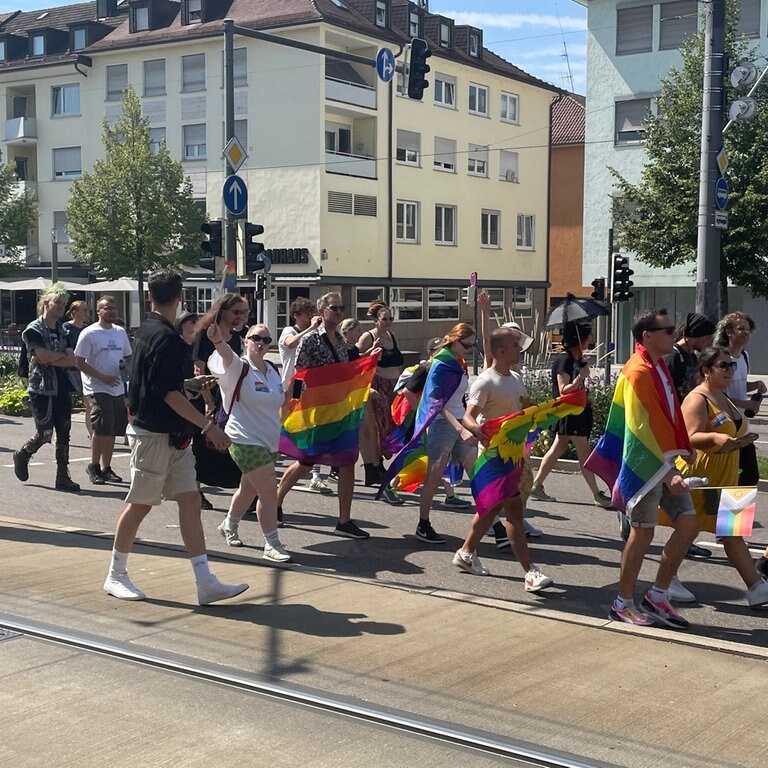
(57,292)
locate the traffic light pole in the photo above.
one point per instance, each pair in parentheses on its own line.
(609,318)
(230,232)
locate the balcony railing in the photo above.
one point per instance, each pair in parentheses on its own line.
(20,129)
(350,165)
(20,187)
(350,93)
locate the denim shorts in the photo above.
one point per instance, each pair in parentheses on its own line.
(645,514)
(444,440)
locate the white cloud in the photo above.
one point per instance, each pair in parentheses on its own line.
(517,20)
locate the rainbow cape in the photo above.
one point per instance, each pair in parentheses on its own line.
(640,440)
(443,380)
(229,277)
(736,513)
(499,467)
(323,425)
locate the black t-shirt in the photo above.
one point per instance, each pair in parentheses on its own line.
(418,379)
(682,366)
(158,368)
(566,364)
(35,341)
(203,347)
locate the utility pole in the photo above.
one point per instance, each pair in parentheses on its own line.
(230,233)
(708,243)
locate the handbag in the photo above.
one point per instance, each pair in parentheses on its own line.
(221,415)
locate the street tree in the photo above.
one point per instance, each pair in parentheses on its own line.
(134,211)
(18,214)
(657,217)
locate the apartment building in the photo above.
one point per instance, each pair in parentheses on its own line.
(359,188)
(631,46)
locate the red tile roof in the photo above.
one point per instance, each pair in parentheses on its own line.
(568,120)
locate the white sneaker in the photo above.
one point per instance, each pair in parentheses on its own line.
(321,486)
(757,594)
(120,586)
(531,531)
(277,553)
(231,535)
(212,590)
(470,562)
(679,592)
(536,580)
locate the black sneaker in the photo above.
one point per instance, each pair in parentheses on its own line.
(762,566)
(21,465)
(205,503)
(94,474)
(351,531)
(427,533)
(697,552)
(110,477)
(334,474)
(65,483)
(280,523)
(374,475)
(500,534)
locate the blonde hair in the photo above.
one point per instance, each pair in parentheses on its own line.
(348,324)
(57,292)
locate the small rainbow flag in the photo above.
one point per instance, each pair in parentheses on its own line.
(229,277)
(323,425)
(736,513)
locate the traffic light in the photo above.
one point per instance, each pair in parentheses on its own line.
(263,286)
(469,295)
(213,245)
(255,258)
(599,285)
(621,283)
(417,71)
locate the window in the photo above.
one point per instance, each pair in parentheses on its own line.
(408,147)
(443,303)
(37,43)
(508,165)
(338,138)
(477,160)
(678,21)
(445,90)
(445,34)
(2,50)
(194,14)
(498,304)
(66,100)
(66,163)
(489,228)
(240,66)
(474,44)
(364,297)
(522,301)
(445,155)
(194,142)
(140,18)
(79,39)
(630,117)
(526,231)
(414,24)
(381,13)
(193,72)
(478,99)
(407,228)
(60,222)
(508,109)
(748,24)
(117,81)
(634,30)
(241,132)
(154,77)
(407,303)
(445,224)
(156,139)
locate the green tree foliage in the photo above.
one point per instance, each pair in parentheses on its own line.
(18,214)
(660,222)
(134,211)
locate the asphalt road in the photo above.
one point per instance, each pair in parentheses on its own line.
(580,549)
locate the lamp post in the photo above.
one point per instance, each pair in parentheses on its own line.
(54,255)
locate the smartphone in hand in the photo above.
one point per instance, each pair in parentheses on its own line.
(298,388)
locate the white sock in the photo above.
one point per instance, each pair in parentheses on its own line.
(200,568)
(316,472)
(230,523)
(273,538)
(119,562)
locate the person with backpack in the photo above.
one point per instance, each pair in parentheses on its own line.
(49,386)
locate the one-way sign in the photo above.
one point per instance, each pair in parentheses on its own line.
(235,195)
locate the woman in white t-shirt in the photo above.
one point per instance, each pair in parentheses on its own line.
(253,396)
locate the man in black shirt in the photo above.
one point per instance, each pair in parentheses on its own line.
(162,464)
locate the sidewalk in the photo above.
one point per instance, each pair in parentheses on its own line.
(589,687)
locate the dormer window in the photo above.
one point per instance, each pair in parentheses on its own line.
(445,34)
(381,13)
(3,54)
(474,44)
(194,12)
(79,39)
(37,45)
(414,24)
(139,18)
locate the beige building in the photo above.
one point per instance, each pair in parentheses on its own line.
(359,188)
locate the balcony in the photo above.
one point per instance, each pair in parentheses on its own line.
(350,165)
(21,187)
(20,130)
(350,93)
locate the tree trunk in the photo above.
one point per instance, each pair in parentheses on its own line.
(142,307)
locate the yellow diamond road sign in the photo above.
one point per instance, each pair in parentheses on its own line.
(235,154)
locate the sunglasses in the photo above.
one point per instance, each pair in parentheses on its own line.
(668,329)
(262,339)
(336,307)
(466,346)
(723,366)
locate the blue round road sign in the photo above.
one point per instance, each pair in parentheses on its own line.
(235,194)
(721,194)
(385,64)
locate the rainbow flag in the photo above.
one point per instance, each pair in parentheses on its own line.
(414,469)
(322,426)
(641,438)
(736,513)
(499,467)
(229,277)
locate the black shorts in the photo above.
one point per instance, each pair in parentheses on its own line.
(109,414)
(578,425)
(749,472)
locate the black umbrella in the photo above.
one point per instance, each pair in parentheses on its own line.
(573,310)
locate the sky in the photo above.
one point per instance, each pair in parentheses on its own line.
(534,35)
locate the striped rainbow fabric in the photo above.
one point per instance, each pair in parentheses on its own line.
(499,467)
(640,440)
(323,425)
(736,512)
(229,277)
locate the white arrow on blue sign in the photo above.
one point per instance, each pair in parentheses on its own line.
(385,64)
(721,194)
(235,195)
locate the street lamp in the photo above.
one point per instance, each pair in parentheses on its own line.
(54,255)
